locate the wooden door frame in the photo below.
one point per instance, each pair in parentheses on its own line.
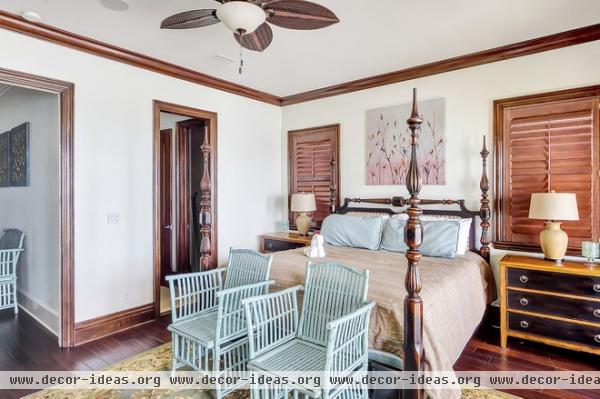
(66,92)
(211,119)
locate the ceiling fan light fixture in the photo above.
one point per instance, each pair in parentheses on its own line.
(241,16)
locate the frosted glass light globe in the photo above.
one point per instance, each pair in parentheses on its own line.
(240,15)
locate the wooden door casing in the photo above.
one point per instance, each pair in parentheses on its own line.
(209,202)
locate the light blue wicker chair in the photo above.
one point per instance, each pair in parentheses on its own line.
(11,247)
(208,321)
(331,335)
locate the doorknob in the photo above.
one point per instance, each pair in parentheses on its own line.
(170,227)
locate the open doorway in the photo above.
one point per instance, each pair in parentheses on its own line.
(185,195)
(36,208)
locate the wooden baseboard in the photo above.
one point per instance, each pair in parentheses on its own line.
(103,326)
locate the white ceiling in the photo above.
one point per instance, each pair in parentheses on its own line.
(373,37)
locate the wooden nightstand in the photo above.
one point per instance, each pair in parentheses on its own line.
(283,241)
(554,304)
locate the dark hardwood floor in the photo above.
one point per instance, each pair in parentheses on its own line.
(483,353)
(24,345)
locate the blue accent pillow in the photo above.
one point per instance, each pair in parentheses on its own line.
(440,238)
(353,231)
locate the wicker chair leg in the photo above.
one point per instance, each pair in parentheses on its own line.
(15,297)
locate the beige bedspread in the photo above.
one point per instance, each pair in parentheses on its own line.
(455,294)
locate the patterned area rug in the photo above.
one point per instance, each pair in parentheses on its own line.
(159,359)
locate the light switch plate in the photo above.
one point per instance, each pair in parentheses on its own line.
(113,218)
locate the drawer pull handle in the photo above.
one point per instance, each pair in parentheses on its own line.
(524,278)
(524,301)
(597,312)
(524,324)
(597,287)
(597,338)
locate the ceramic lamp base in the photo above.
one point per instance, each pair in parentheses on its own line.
(303,224)
(554,242)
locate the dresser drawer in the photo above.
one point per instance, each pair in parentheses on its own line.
(556,306)
(560,330)
(277,245)
(556,282)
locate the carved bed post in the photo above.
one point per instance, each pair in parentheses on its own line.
(485,205)
(332,187)
(413,237)
(205,206)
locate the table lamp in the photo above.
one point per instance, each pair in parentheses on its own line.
(303,203)
(554,207)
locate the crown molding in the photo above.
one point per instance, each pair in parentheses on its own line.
(533,46)
(82,43)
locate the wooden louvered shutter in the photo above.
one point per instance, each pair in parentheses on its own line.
(548,146)
(313,168)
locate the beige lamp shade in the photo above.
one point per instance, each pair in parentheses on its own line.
(553,206)
(303,202)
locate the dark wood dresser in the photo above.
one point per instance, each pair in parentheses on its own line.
(556,304)
(283,241)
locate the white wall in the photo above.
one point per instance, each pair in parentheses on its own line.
(113,167)
(469,95)
(34,209)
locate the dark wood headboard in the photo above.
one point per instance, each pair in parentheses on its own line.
(397,205)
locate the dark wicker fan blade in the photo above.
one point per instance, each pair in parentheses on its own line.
(258,40)
(249,1)
(190,19)
(299,14)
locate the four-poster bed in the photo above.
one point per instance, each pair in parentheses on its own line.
(423,314)
(413,303)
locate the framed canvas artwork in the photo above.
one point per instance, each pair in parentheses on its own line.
(5,159)
(388,143)
(19,155)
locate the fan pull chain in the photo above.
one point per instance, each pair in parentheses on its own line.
(241,52)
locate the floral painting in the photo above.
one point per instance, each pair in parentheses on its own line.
(388,143)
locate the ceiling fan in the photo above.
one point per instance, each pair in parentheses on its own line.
(249,20)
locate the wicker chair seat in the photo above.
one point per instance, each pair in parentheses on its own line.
(296,355)
(201,328)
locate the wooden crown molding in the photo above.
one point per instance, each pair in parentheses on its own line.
(55,35)
(533,46)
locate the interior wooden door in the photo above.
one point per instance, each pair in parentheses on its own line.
(166,204)
(190,136)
